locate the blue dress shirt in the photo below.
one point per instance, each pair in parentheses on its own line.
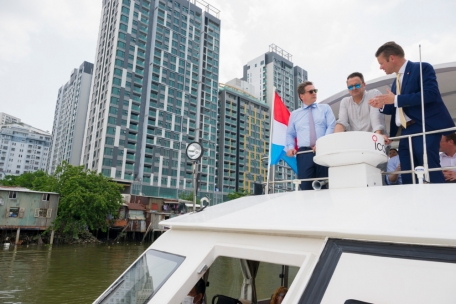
(393,162)
(298,125)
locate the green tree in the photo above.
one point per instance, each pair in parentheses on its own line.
(237,194)
(86,198)
(24,180)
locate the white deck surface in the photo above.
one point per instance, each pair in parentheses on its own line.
(408,213)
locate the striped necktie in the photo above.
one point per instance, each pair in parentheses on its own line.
(400,110)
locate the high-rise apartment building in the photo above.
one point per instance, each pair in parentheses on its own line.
(23,149)
(8,119)
(275,69)
(244,126)
(70,118)
(154,90)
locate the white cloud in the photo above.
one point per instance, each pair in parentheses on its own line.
(41,41)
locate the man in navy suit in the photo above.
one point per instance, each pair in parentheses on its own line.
(403,103)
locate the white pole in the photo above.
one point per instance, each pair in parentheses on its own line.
(270,142)
(195,186)
(425,157)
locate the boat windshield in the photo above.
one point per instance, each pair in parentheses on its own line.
(143,279)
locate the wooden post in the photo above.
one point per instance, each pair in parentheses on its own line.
(52,237)
(18,233)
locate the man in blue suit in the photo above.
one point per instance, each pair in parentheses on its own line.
(403,103)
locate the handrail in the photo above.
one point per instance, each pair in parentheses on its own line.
(409,137)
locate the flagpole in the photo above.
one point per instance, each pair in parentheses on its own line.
(425,157)
(266,191)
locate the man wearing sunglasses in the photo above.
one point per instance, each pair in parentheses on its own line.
(355,113)
(306,125)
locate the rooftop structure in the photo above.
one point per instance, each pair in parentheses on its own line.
(8,119)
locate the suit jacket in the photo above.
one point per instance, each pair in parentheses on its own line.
(435,112)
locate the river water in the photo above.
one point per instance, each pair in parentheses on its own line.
(62,273)
(80,273)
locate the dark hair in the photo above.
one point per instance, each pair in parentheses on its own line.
(302,87)
(200,287)
(393,149)
(356,74)
(452,137)
(390,48)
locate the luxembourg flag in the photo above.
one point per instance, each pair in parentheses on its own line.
(279,130)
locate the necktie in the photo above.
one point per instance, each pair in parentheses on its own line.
(398,92)
(313,134)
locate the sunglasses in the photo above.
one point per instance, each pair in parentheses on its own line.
(312,91)
(357,86)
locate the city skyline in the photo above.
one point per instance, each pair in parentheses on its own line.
(42,41)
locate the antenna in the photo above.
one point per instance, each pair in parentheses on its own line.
(425,157)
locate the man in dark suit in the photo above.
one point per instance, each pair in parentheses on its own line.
(403,103)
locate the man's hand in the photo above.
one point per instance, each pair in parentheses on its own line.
(449,175)
(291,152)
(381,100)
(387,140)
(393,177)
(339,128)
(314,149)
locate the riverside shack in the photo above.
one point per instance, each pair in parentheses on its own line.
(25,209)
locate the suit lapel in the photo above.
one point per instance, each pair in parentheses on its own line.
(406,77)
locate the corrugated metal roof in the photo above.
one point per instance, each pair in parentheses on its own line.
(132,206)
(21,189)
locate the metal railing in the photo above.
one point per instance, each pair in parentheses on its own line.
(297,182)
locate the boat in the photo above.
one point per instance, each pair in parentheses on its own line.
(356,242)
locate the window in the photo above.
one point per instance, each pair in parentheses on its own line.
(161,266)
(13,211)
(12,194)
(46,197)
(41,212)
(424,268)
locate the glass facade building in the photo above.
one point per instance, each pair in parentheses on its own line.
(154,90)
(70,117)
(244,127)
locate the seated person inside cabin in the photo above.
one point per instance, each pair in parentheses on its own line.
(278,295)
(448,156)
(393,165)
(196,295)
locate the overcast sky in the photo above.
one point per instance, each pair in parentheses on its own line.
(42,41)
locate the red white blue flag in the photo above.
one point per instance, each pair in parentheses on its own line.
(280,119)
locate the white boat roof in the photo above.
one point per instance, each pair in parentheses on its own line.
(419,214)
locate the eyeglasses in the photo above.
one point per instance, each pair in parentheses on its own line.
(312,91)
(357,86)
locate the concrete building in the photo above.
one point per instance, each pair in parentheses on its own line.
(276,69)
(154,90)
(8,119)
(70,118)
(244,127)
(23,149)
